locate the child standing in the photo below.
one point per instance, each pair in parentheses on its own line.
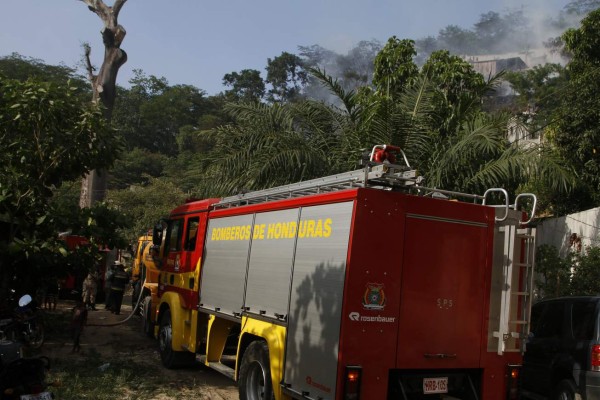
(78,320)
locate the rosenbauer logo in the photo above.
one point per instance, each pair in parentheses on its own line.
(355,316)
(311,382)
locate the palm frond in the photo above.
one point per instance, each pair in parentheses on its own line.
(348,98)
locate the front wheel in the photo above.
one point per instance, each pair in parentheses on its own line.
(566,390)
(35,335)
(255,373)
(169,357)
(34,331)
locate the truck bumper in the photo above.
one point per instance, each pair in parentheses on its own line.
(592,385)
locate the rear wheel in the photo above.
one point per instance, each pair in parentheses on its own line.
(566,390)
(255,373)
(169,357)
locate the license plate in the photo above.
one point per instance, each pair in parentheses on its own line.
(39,396)
(435,385)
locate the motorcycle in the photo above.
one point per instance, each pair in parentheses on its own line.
(26,324)
(23,378)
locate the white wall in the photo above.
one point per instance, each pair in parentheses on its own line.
(557,231)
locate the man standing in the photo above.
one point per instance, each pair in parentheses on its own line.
(118,283)
(107,278)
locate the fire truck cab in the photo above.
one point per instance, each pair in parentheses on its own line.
(363,285)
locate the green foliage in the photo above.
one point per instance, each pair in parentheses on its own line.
(538,92)
(394,66)
(576,275)
(287,75)
(18,67)
(246,86)
(586,274)
(145,205)
(554,272)
(577,134)
(151,113)
(458,40)
(49,137)
(437,120)
(458,90)
(136,167)
(267,146)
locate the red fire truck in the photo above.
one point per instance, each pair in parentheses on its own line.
(363,285)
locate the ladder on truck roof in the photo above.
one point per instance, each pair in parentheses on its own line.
(375,174)
(380,171)
(381,175)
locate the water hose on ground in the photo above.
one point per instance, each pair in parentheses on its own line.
(133,310)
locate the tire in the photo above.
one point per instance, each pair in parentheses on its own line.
(255,373)
(566,390)
(36,336)
(147,324)
(169,357)
(35,332)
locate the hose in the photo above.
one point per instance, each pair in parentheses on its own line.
(137,304)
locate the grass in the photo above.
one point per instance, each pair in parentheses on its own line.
(121,379)
(90,375)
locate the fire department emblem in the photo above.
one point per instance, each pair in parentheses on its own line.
(374,297)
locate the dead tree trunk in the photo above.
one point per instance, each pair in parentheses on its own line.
(104,84)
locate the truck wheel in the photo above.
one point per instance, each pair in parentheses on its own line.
(255,373)
(148,325)
(169,357)
(566,390)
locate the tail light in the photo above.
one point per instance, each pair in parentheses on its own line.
(596,357)
(352,383)
(512,382)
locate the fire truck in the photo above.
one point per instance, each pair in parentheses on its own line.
(145,269)
(362,285)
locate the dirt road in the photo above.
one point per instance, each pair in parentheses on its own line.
(107,342)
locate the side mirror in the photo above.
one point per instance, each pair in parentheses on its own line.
(157,233)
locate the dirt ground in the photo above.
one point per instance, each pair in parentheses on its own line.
(125,341)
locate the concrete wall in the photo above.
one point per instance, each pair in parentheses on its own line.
(557,231)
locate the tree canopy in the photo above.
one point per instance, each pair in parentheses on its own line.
(49,137)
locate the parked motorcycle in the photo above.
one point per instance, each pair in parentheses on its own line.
(26,324)
(22,378)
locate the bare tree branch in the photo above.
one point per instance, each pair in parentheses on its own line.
(117,7)
(98,7)
(88,64)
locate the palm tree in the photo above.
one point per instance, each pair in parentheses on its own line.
(277,144)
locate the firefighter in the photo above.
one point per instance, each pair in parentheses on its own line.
(118,284)
(109,273)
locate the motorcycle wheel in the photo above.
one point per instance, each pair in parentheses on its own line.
(35,335)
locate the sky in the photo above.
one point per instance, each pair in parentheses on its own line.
(197,42)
